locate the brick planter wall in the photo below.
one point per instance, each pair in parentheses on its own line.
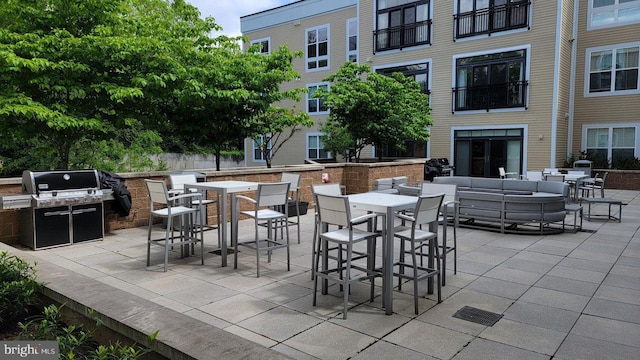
(356,177)
(621,179)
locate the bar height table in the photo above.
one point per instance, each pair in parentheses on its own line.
(386,204)
(223,188)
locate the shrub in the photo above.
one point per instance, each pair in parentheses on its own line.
(75,342)
(18,287)
(628,164)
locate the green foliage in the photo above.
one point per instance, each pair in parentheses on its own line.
(78,72)
(276,126)
(76,341)
(336,138)
(628,164)
(126,154)
(18,287)
(375,109)
(597,161)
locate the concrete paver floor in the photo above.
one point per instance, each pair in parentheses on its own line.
(564,296)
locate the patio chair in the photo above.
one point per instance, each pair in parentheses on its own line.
(172,211)
(178,182)
(294,197)
(507,175)
(427,211)
(270,196)
(553,177)
(533,175)
(336,211)
(334,189)
(592,184)
(448,215)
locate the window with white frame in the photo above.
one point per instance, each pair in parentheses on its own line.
(257,142)
(611,142)
(491,81)
(316,105)
(418,72)
(610,13)
(402,23)
(315,147)
(265,45)
(352,40)
(613,70)
(317,45)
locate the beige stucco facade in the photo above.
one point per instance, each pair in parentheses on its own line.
(554,41)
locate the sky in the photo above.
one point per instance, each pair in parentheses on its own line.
(227,13)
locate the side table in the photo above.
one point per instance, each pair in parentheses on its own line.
(609,202)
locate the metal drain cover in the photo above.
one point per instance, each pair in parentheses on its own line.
(478,316)
(219,251)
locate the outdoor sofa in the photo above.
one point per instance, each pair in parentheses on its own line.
(505,204)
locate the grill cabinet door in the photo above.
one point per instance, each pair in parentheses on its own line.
(51,227)
(87,222)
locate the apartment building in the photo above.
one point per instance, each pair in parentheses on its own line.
(520,84)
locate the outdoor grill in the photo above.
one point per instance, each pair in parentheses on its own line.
(58,207)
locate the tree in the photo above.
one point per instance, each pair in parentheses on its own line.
(375,109)
(274,127)
(82,72)
(232,95)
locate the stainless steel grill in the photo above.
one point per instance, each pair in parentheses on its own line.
(59,207)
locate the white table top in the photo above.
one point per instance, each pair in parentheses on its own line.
(380,202)
(575,177)
(228,186)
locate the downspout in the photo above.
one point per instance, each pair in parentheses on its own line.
(572,90)
(556,87)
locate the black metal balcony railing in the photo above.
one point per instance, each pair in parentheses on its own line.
(487,97)
(514,15)
(399,37)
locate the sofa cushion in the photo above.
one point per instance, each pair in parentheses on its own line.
(461,181)
(383,184)
(554,187)
(486,183)
(524,186)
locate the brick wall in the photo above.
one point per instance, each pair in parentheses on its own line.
(356,177)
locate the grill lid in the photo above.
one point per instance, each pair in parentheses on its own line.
(33,182)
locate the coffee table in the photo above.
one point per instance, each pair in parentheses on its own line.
(608,201)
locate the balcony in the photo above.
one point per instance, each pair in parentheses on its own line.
(399,37)
(487,97)
(514,15)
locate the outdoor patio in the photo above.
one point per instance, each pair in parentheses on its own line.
(564,296)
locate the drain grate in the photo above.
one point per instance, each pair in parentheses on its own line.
(478,316)
(219,251)
(588,230)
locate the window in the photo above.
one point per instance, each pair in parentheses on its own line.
(352,40)
(257,152)
(316,105)
(315,147)
(402,23)
(610,13)
(265,47)
(613,143)
(419,72)
(476,17)
(491,81)
(613,70)
(317,44)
